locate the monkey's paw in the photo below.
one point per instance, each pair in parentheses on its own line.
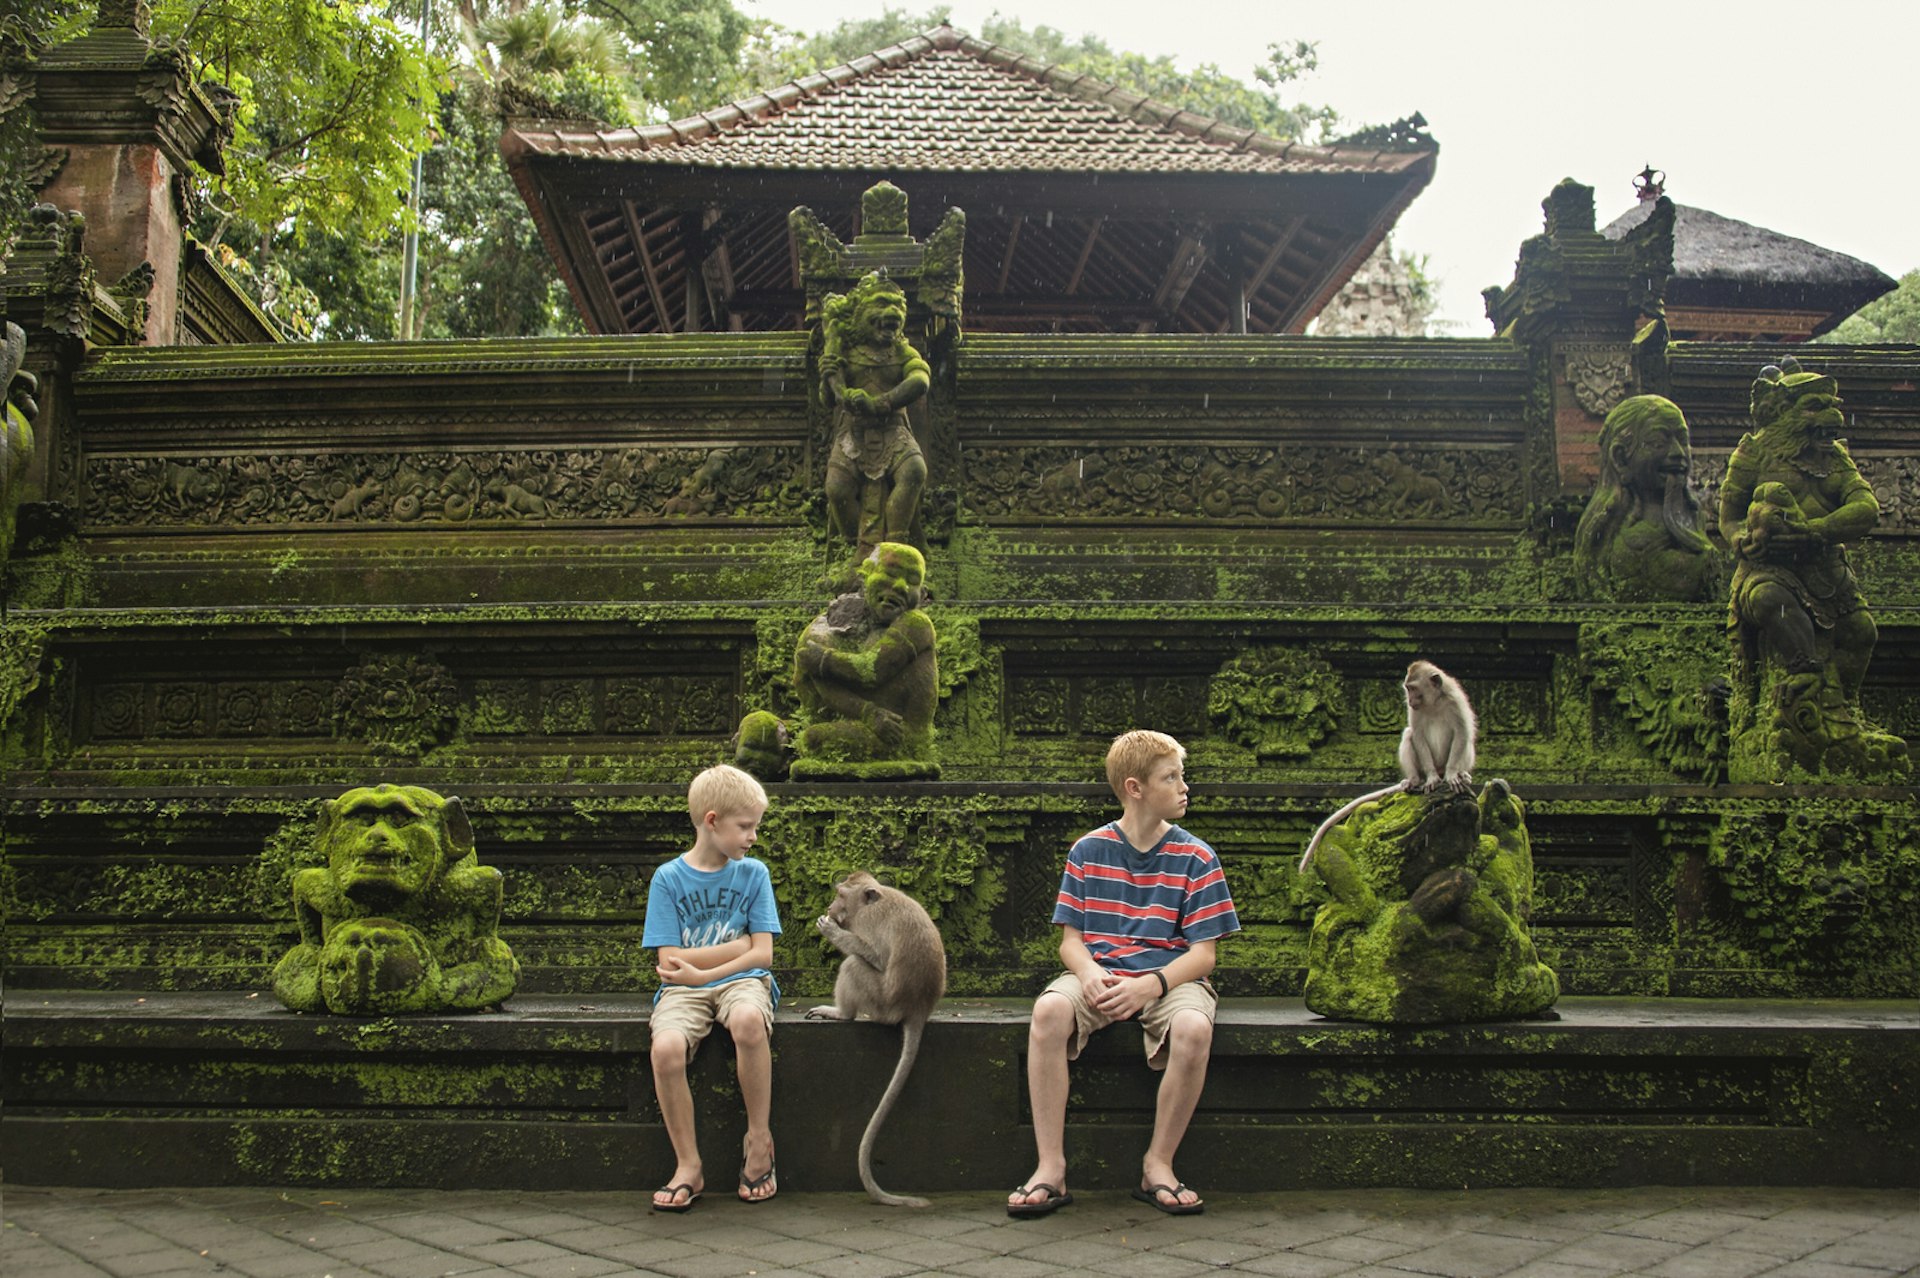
(1460,782)
(827,1013)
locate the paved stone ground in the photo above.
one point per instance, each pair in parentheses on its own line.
(414,1233)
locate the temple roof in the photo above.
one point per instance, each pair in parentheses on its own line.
(1737,281)
(1089,207)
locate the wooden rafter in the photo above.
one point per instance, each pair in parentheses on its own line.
(1086,251)
(1272,259)
(1013,242)
(639,237)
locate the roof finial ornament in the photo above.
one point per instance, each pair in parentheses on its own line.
(1650,183)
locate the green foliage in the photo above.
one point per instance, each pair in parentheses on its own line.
(1893,318)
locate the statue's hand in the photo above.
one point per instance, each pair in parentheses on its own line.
(889,727)
(1783,547)
(862,402)
(812,659)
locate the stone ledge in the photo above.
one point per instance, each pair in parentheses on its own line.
(555,1092)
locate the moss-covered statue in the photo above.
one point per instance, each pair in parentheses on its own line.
(1639,539)
(17,406)
(1791,501)
(1427,921)
(402,918)
(866,677)
(869,374)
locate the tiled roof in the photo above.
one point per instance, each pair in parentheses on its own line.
(945,102)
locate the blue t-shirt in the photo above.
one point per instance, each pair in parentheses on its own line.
(692,908)
(1138,911)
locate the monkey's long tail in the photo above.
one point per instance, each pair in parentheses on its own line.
(910,1032)
(1314,843)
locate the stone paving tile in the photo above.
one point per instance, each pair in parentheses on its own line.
(1153,1264)
(1690,1225)
(936,1254)
(1472,1256)
(1284,1233)
(707,1264)
(1870,1250)
(1720,1262)
(1075,1253)
(1220,1252)
(594,1236)
(1617,1253)
(650,1253)
(1357,1248)
(432,1264)
(1821,1269)
(1297,1265)
(572,1267)
(1781,1239)
(862,1267)
(1006,1267)
(388,1247)
(997,1239)
(1551,1268)
(791,1252)
(518,1251)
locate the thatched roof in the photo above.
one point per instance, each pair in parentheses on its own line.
(1741,272)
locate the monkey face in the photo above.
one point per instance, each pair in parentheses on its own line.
(853,892)
(381,845)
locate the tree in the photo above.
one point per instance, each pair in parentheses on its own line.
(1892,318)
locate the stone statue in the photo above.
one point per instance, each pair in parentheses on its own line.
(1639,539)
(869,374)
(1791,501)
(1428,918)
(17,390)
(402,918)
(866,677)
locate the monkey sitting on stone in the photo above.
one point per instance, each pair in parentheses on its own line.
(1436,748)
(895,972)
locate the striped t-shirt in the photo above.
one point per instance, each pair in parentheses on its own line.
(1138,911)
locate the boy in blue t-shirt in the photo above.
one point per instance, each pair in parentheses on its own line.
(1142,904)
(712,918)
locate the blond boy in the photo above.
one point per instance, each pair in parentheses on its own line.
(711,918)
(1142,904)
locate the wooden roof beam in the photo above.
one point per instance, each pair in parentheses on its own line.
(1086,251)
(640,251)
(1013,242)
(1274,254)
(1189,255)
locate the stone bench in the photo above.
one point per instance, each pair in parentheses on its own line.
(555,1092)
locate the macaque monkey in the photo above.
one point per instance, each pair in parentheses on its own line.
(895,971)
(1436,748)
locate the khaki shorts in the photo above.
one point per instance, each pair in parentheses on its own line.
(691,1010)
(1155,1019)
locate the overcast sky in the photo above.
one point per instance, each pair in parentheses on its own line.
(1800,118)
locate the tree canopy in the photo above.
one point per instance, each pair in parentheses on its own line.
(1892,318)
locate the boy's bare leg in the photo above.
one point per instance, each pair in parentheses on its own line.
(753,1063)
(1189,1047)
(669,1054)
(1047,1038)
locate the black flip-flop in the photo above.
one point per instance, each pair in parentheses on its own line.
(693,1196)
(758,1181)
(1150,1195)
(1053,1202)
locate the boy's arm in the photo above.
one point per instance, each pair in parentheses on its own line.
(1129,994)
(1079,960)
(709,955)
(674,968)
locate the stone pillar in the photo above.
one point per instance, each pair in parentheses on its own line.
(1577,302)
(130,119)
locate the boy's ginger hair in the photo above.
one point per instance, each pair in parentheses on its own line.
(1133,754)
(723,790)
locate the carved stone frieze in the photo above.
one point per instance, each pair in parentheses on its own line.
(1600,374)
(1228,482)
(439,487)
(1104,705)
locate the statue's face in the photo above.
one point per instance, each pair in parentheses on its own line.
(1815,410)
(1658,448)
(886,316)
(893,580)
(383,843)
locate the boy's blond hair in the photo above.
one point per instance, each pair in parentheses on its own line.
(723,790)
(1133,754)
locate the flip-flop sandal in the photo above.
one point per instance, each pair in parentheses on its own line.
(1053,1202)
(1150,1195)
(765,1177)
(693,1196)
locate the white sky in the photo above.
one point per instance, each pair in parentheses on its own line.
(1801,118)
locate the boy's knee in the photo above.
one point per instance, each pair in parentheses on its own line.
(669,1050)
(1052,1019)
(748,1027)
(1191,1034)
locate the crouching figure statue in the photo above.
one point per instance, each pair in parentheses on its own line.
(402,918)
